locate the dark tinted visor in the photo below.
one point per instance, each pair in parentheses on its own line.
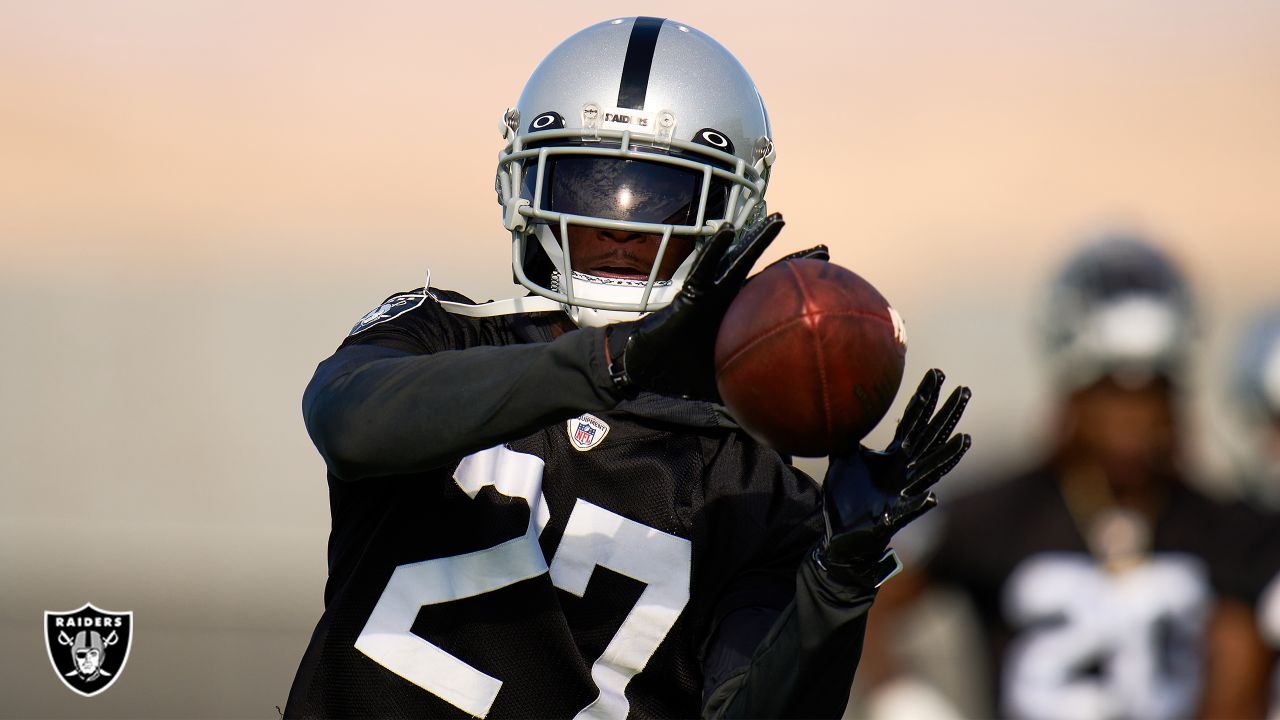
(628,190)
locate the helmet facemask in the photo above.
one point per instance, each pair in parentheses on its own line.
(557,185)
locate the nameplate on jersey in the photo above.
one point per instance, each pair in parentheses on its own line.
(392,307)
(586,431)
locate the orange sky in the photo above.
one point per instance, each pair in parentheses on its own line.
(173,135)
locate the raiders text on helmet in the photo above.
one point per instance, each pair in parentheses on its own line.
(633,126)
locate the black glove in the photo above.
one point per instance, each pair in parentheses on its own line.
(869,495)
(672,351)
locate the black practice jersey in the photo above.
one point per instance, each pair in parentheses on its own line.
(1069,637)
(1253,576)
(578,569)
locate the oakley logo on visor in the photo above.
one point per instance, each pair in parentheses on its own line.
(628,190)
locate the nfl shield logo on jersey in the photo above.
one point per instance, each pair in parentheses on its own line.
(88,647)
(586,432)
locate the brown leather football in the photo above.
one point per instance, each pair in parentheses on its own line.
(809,357)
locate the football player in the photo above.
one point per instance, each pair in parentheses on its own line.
(538,508)
(1256,393)
(1097,575)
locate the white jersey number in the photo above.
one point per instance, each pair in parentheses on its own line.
(593,537)
(1095,644)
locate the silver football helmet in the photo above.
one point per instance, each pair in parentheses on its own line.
(1256,396)
(1119,308)
(1257,371)
(634,128)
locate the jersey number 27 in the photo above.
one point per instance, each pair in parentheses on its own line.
(593,536)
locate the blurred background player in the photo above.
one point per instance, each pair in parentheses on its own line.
(1255,571)
(1095,575)
(1256,389)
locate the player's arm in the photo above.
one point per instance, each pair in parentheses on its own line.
(376,410)
(798,662)
(1236,663)
(805,663)
(381,410)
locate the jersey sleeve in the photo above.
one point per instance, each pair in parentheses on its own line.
(760,518)
(804,663)
(782,639)
(413,322)
(971,551)
(413,389)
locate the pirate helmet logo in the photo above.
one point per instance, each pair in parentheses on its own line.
(88,647)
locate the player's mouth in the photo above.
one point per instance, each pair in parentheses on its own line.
(623,266)
(619,271)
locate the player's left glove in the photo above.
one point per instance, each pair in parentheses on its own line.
(869,495)
(671,351)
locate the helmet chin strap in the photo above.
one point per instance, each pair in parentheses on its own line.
(592,317)
(592,287)
(596,289)
(581,316)
(587,289)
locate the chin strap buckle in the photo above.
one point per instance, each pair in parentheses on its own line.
(512,219)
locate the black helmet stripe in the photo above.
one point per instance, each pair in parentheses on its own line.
(639,60)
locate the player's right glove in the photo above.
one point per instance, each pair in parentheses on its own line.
(869,495)
(672,351)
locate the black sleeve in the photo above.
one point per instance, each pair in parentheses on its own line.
(796,664)
(398,402)
(781,639)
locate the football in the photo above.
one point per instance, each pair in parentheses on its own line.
(809,357)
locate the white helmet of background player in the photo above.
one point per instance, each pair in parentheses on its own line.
(632,128)
(1257,394)
(1121,309)
(1257,372)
